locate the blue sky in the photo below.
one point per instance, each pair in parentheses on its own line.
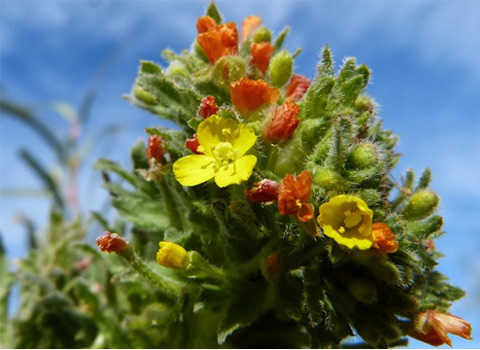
(426,79)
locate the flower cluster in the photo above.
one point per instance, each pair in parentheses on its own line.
(275,193)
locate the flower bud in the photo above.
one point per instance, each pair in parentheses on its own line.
(432,327)
(208,107)
(155,149)
(249,25)
(272,267)
(111,243)
(364,156)
(284,122)
(263,191)
(229,69)
(193,144)
(143,95)
(326,178)
(262,34)
(421,204)
(281,68)
(297,88)
(172,255)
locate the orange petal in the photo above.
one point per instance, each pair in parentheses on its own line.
(261,54)
(219,41)
(305,213)
(249,25)
(384,238)
(205,23)
(249,95)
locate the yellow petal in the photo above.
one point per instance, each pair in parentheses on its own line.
(194,169)
(349,240)
(244,140)
(215,129)
(235,173)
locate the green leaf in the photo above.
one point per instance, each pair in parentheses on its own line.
(48,180)
(150,67)
(248,304)
(278,43)
(423,229)
(351,89)
(314,104)
(27,116)
(109,165)
(213,12)
(139,209)
(325,67)
(425,180)
(139,157)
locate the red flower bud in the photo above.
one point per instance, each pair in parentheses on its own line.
(111,243)
(155,149)
(297,88)
(263,191)
(192,144)
(208,107)
(274,266)
(284,122)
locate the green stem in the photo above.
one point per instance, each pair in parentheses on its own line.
(170,290)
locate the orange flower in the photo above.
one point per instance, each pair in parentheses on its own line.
(261,54)
(220,40)
(111,243)
(297,87)
(294,195)
(249,95)
(192,144)
(208,107)
(384,238)
(155,149)
(284,122)
(432,327)
(263,191)
(205,23)
(273,266)
(249,25)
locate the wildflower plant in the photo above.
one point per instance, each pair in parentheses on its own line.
(278,220)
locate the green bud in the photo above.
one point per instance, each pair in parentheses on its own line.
(326,178)
(177,68)
(364,156)
(281,68)
(362,290)
(262,34)
(229,69)
(421,204)
(143,95)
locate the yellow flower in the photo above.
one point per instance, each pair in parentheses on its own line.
(223,143)
(172,255)
(348,220)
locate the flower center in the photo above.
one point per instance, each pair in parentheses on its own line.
(224,152)
(352,219)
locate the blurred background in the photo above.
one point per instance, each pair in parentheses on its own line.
(68,63)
